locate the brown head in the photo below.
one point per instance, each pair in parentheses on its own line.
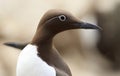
(56,21)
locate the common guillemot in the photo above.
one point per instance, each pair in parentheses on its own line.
(39,58)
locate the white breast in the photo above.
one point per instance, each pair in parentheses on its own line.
(29,64)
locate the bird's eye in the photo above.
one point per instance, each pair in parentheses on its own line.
(62,17)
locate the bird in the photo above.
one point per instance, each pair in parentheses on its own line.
(39,57)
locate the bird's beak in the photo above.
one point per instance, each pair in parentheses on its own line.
(84,25)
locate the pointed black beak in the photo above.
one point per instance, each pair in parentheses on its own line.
(84,25)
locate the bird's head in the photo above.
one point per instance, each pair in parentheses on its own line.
(58,20)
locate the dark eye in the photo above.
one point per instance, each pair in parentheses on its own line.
(62,17)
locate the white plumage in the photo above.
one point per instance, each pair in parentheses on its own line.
(29,64)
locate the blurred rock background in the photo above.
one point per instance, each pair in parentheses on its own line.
(19,19)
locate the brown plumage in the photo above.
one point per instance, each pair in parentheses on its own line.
(52,23)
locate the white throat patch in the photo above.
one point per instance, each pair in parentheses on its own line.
(29,64)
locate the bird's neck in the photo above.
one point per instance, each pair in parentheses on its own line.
(43,38)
